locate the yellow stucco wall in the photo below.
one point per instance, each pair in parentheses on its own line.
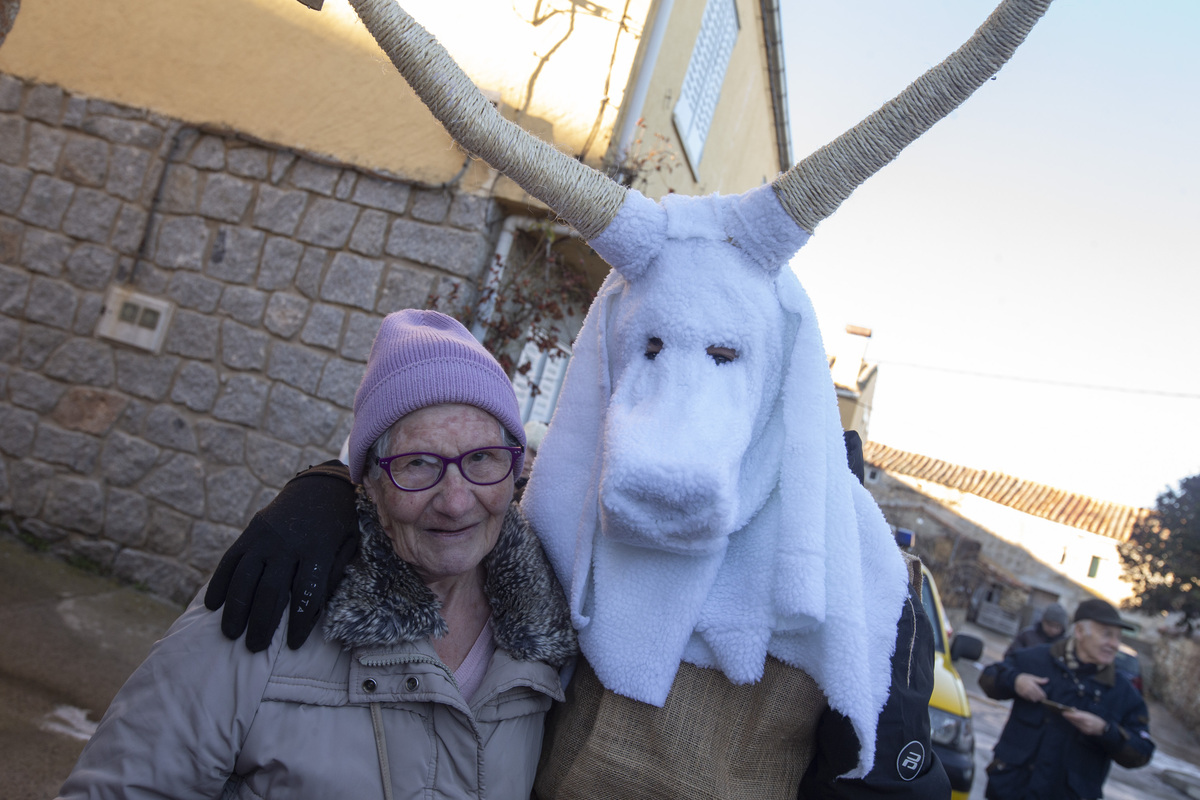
(280,72)
(741,151)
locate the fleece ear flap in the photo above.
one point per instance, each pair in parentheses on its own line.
(561,501)
(807,487)
(841,565)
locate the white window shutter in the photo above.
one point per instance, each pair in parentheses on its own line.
(553,372)
(547,370)
(705,75)
(522,382)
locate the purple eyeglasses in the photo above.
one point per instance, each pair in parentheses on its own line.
(416,472)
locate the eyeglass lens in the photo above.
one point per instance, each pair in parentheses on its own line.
(417,471)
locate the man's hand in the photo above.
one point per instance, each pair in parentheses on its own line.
(298,545)
(1088,723)
(1030,687)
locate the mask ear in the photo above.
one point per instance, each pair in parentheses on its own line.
(760,226)
(561,500)
(634,238)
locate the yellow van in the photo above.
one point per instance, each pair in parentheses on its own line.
(949,712)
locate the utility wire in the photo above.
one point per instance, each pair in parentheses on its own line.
(1043,381)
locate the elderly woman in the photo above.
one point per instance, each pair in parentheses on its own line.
(442,646)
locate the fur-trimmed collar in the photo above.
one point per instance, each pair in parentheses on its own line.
(382,601)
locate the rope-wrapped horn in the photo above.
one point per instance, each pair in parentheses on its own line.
(579,194)
(815,187)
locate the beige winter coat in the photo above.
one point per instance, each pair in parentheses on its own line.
(205,718)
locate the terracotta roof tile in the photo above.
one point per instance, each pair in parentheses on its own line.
(1057,505)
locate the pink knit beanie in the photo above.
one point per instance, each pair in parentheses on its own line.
(424,358)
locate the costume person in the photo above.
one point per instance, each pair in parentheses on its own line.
(692,492)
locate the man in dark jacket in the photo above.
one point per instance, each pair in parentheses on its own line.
(1047,630)
(1072,713)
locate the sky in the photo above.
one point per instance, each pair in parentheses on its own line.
(1027,267)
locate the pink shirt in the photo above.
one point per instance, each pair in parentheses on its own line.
(469,674)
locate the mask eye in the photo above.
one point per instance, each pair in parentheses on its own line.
(654,346)
(722,355)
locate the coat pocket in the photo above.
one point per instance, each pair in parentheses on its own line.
(1007,781)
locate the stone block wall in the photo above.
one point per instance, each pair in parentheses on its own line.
(280,268)
(1176,679)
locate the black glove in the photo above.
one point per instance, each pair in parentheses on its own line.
(300,543)
(854,453)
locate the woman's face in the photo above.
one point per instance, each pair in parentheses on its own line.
(444,531)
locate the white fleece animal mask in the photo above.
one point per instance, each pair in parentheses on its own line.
(703,511)
(687,399)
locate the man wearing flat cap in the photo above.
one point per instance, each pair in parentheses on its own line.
(1072,713)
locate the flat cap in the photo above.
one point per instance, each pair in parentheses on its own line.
(1102,612)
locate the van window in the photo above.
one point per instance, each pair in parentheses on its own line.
(931,611)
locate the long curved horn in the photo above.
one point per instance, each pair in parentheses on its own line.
(814,188)
(579,194)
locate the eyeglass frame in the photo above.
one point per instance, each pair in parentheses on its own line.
(385,464)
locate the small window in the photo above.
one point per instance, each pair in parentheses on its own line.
(872,475)
(693,113)
(1094,567)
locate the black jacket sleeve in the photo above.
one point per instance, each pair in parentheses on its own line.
(1127,741)
(998,680)
(905,764)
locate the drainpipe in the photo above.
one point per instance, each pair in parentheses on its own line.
(631,109)
(776,78)
(499,260)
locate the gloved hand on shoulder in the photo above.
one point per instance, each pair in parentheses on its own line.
(297,546)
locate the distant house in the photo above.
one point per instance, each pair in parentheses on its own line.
(207,207)
(1038,543)
(1000,545)
(853,378)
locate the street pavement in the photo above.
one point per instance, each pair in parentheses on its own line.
(1178,748)
(69,639)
